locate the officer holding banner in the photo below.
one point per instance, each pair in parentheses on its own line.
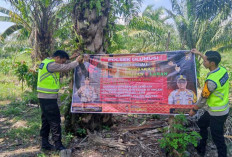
(215,96)
(182,96)
(48,86)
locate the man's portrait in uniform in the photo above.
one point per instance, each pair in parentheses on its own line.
(86,92)
(182,96)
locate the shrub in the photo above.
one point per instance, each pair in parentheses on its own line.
(23,73)
(178,137)
(5,66)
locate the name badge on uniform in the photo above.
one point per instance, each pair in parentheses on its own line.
(224,78)
(41,66)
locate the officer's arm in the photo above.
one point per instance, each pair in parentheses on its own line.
(56,67)
(195,51)
(209,87)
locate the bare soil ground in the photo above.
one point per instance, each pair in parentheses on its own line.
(130,136)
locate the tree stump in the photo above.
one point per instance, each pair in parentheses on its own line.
(75,121)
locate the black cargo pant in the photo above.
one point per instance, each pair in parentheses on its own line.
(50,119)
(216,124)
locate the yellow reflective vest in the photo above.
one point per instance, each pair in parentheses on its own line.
(48,82)
(219,99)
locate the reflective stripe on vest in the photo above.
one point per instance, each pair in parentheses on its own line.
(48,90)
(219,107)
(48,82)
(219,99)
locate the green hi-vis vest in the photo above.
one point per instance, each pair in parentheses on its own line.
(48,82)
(219,99)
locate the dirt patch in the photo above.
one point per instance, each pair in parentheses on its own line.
(25,152)
(19,124)
(123,139)
(4,102)
(2,120)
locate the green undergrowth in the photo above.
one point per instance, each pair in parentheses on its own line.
(23,122)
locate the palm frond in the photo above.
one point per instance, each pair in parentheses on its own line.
(13,17)
(148,11)
(145,23)
(5,19)
(15,44)
(10,30)
(20,21)
(222,37)
(176,7)
(209,9)
(4,11)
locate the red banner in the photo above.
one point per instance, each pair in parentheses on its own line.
(151,83)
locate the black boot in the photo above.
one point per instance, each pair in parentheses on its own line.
(46,145)
(59,146)
(201,150)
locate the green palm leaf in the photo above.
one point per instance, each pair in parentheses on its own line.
(5,19)
(10,30)
(209,9)
(5,11)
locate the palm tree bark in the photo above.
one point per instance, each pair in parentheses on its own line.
(93,21)
(91,26)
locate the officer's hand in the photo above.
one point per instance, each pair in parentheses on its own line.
(195,51)
(191,113)
(73,56)
(80,59)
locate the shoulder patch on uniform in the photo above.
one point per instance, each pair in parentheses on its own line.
(224,78)
(205,92)
(41,66)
